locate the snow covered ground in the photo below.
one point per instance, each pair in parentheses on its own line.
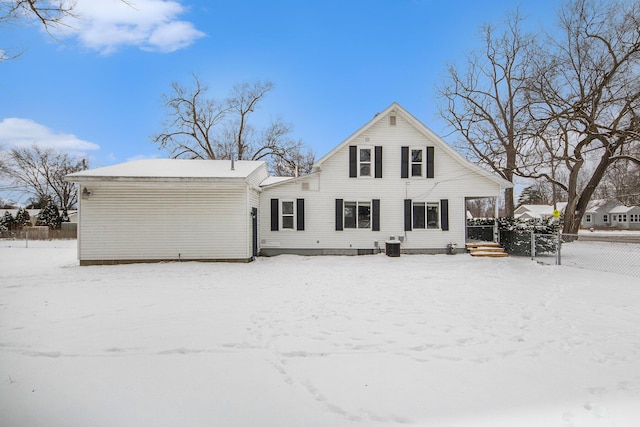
(315,341)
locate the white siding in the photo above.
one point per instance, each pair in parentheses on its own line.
(453,181)
(164,221)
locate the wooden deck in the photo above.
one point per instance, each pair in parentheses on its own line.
(486,249)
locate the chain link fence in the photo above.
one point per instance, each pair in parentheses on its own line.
(610,252)
(614,254)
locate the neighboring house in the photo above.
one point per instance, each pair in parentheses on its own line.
(627,217)
(168,209)
(392,179)
(543,212)
(611,214)
(596,214)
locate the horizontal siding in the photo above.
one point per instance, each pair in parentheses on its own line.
(452,181)
(164,221)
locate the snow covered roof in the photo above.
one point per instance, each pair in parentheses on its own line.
(537,209)
(275,180)
(171,169)
(621,209)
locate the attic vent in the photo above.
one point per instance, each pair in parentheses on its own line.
(392,120)
(305,186)
(366,140)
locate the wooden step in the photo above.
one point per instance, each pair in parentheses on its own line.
(486,249)
(482,244)
(490,254)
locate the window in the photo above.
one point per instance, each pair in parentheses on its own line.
(357,215)
(615,217)
(419,218)
(416,162)
(425,215)
(432,215)
(623,218)
(392,120)
(365,161)
(287,215)
(587,218)
(605,218)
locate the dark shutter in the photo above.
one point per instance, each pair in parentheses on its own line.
(407,214)
(404,163)
(353,161)
(300,214)
(444,214)
(375,207)
(274,214)
(429,162)
(339,226)
(378,152)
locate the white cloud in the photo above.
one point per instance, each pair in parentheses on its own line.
(15,132)
(151,25)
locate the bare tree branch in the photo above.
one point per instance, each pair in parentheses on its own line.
(202,128)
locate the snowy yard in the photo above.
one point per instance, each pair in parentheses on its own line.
(315,341)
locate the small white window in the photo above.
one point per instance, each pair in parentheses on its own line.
(364,159)
(416,161)
(287,215)
(587,218)
(605,218)
(392,120)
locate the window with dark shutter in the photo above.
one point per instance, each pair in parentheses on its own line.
(444,214)
(375,213)
(407,214)
(404,162)
(430,155)
(300,214)
(339,226)
(274,215)
(353,161)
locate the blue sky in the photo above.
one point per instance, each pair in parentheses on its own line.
(97,89)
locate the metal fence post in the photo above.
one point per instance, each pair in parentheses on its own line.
(559,249)
(533,245)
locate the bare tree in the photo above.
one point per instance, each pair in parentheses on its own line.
(193,120)
(621,182)
(200,127)
(40,173)
(49,13)
(584,97)
(486,104)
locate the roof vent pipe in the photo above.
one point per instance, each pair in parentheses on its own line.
(232,164)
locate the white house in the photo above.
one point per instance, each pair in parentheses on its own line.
(168,209)
(392,179)
(543,212)
(611,214)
